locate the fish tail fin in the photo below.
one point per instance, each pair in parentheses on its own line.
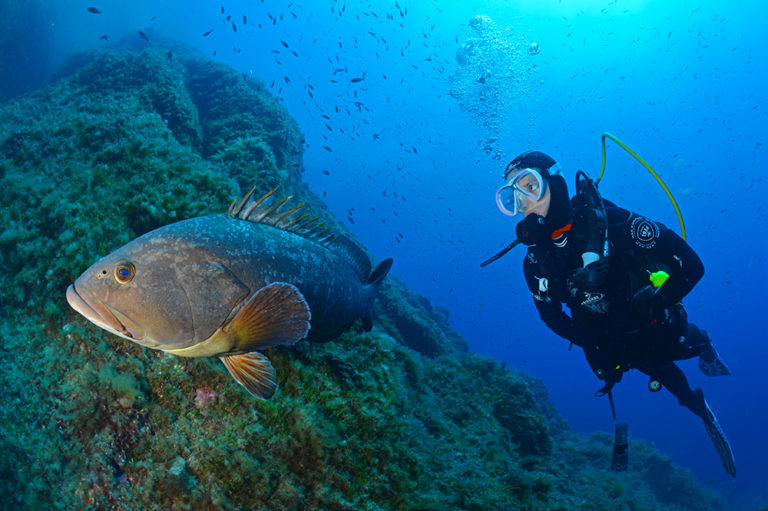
(375,280)
(380,272)
(254,372)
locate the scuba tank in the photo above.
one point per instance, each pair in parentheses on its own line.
(592,213)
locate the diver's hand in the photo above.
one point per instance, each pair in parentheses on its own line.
(593,276)
(644,303)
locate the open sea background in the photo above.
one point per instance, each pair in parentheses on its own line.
(411,155)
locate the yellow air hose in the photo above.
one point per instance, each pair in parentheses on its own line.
(653,173)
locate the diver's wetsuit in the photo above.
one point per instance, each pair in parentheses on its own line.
(616,331)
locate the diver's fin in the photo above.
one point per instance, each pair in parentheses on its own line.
(722,445)
(276,314)
(254,372)
(710,362)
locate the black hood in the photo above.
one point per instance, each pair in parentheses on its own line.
(559,214)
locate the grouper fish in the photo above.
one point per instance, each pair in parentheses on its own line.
(231,285)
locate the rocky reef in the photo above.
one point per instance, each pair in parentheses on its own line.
(402,417)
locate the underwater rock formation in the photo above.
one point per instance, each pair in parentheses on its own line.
(402,417)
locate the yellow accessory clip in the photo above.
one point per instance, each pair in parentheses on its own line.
(658,278)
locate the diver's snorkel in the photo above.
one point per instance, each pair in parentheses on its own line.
(501,253)
(529,230)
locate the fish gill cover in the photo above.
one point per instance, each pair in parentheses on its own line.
(402,417)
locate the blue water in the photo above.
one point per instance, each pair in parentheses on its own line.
(418,146)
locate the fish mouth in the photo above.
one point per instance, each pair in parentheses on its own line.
(101,315)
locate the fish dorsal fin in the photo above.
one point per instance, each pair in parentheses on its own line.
(266,210)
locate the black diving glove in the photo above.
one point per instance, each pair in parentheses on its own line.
(644,302)
(593,276)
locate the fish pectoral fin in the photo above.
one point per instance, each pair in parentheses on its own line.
(276,314)
(254,372)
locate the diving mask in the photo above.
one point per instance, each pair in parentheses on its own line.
(526,185)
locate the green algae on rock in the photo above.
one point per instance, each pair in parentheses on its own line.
(402,417)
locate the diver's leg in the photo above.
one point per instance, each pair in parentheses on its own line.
(710,362)
(674,379)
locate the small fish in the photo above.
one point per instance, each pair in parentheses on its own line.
(358,79)
(143,35)
(231,286)
(94,10)
(208,33)
(104,38)
(327,148)
(234,27)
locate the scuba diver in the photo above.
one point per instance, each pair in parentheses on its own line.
(622,277)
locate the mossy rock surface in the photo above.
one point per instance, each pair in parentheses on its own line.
(402,417)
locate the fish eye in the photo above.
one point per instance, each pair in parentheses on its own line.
(124,272)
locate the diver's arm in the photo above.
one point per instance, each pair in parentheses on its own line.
(686,269)
(557,320)
(655,241)
(551,312)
